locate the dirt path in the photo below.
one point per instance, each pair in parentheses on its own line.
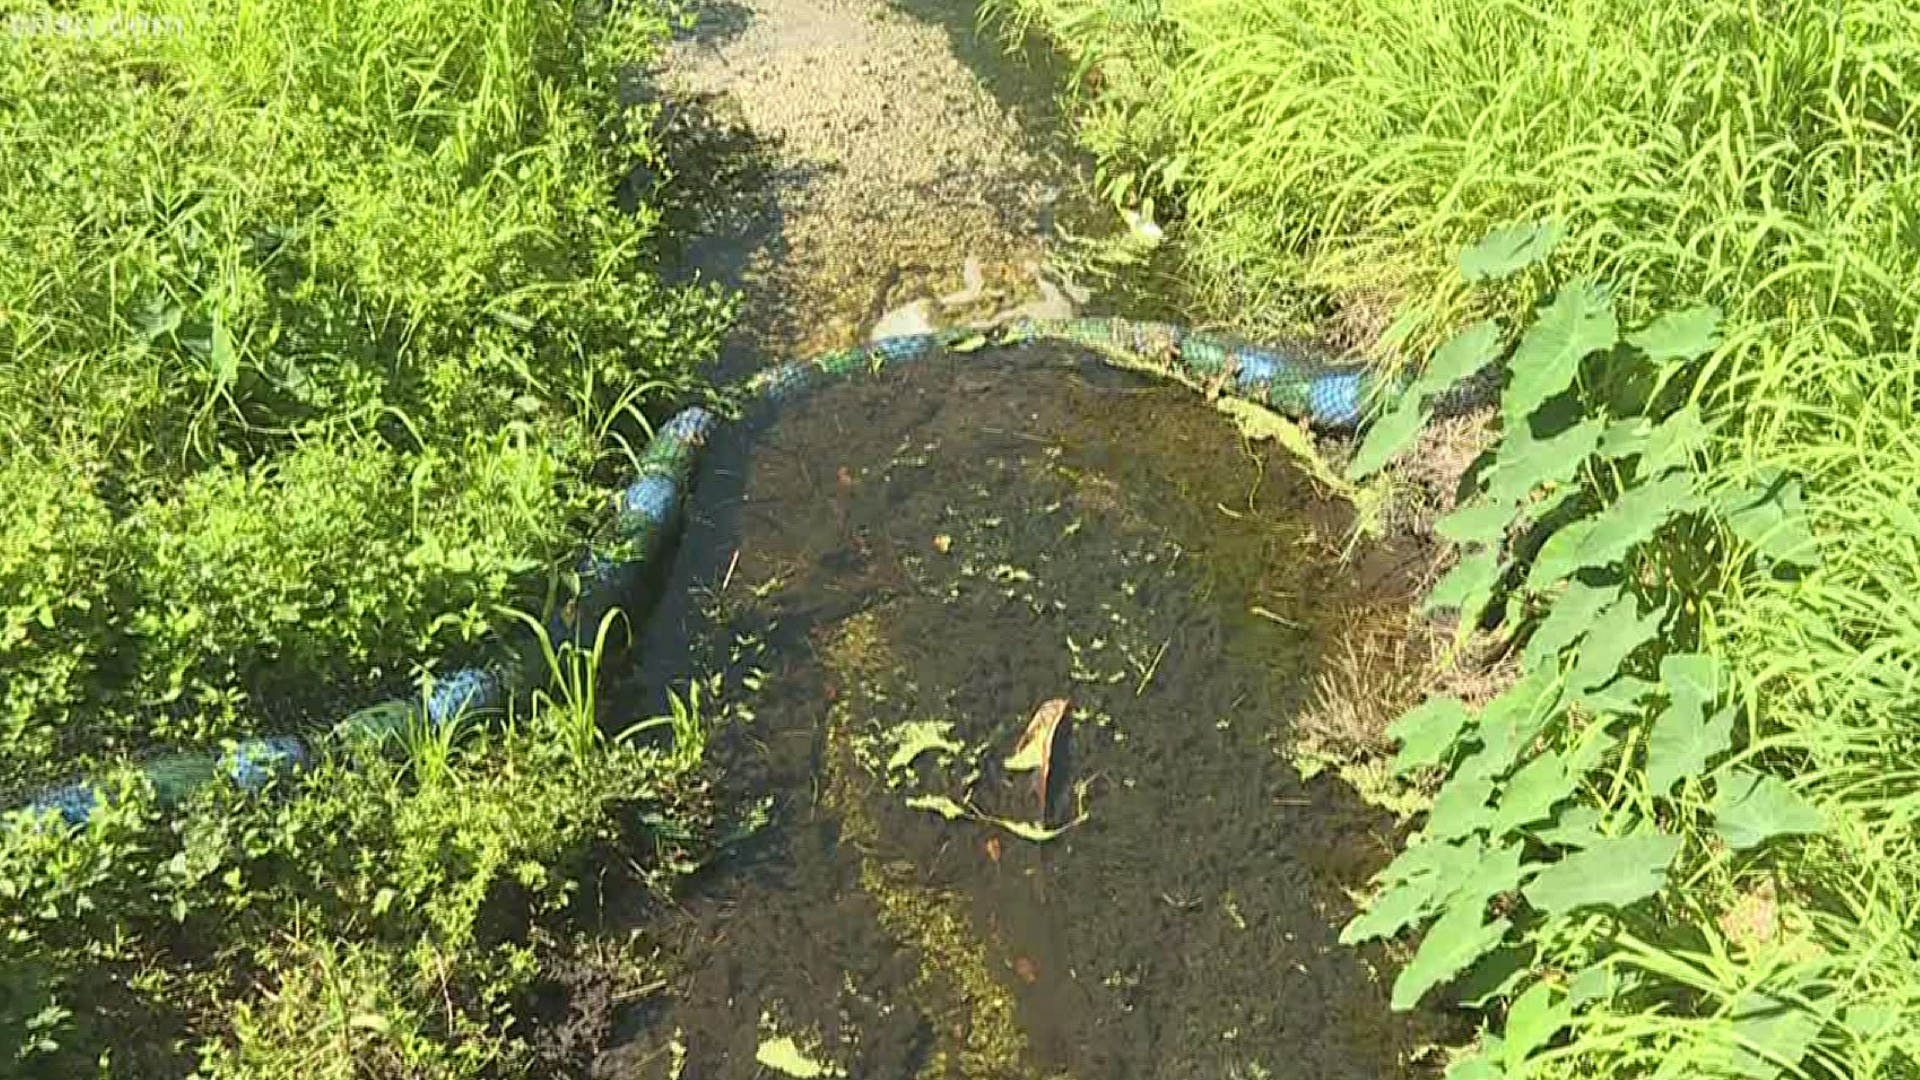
(887,165)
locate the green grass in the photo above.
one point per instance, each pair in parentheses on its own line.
(323,338)
(317,325)
(1757,157)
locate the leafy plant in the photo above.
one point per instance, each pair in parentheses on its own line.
(1331,158)
(1558,803)
(322,333)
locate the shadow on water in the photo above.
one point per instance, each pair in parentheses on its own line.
(958,543)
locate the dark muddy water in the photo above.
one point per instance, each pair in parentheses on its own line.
(956,544)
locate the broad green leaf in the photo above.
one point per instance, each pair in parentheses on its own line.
(1692,680)
(1547,502)
(1389,436)
(1524,462)
(1463,354)
(1460,808)
(1514,247)
(1490,762)
(1750,809)
(1395,909)
(1498,872)
(1467,587)
(1427,732)
(1771,1035)
(1531,702)
(1458,869)
(1476,523)
(1494,977)
(1567,622)
(1618,631)
(1433,874)
(1674,443)
(1607,538)
(1595,743)
(1870,1020)
(1620,697)
(1508,723)
(1577,323)
(1625,438)
(1532,794)
(1562,555)
(1612,872)
(1576,827)
(1679,335)
(1682,744)
(1533,1021)
(1479,1065)
(1770,515)
(1444,862)
(1458,939)
(1593,983)
(1635,517)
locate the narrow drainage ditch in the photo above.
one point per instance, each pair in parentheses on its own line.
(886,582)
(880,590)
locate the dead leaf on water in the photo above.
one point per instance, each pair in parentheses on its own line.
(1035,750)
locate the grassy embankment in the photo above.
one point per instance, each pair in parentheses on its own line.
(321,338)
(1721,871)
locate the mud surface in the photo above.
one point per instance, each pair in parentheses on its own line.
(960,542)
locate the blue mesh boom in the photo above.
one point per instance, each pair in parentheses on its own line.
(1292,379)
(644,515)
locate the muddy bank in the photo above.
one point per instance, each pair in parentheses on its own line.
(953,546)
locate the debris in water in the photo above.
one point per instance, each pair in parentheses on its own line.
(916,737)
(943,543)
(1035,751)
(1025,830)
(939,804)
(783,1055)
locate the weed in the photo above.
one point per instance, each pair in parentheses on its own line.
(1572,799)
(321,333)
(1754,158)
